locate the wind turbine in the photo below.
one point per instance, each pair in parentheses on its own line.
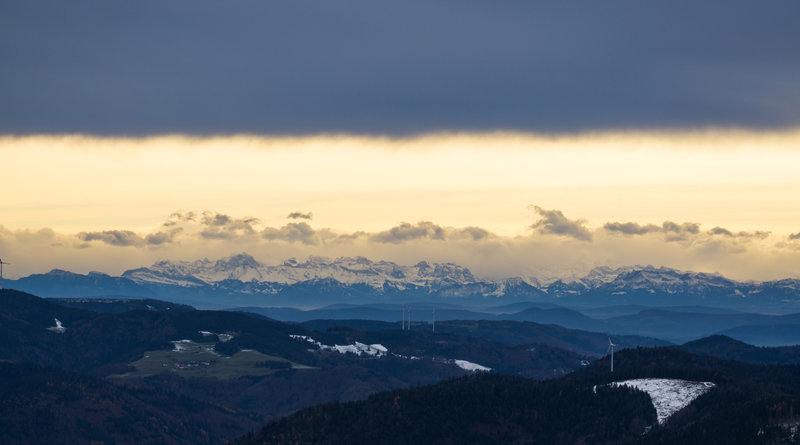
(610,349)
(1,273)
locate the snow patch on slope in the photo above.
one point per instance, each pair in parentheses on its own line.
(668,395)
(378,350)
(58,328)
(357,348)
(469,366)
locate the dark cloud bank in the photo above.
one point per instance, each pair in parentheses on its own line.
(366,66)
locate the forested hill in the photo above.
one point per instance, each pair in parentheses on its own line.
(748,403)
(52,406)
(487,408)
(725,347)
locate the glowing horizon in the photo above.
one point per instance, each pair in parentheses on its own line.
(238,174)
(358,186)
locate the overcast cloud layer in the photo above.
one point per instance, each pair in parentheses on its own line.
(372,66)
(555,246)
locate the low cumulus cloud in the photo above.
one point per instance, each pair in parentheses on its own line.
(553,222)
(472,233)
(300,215)
(179,217)
(673,231)
(223,227)
(426,230)
(164,237)
(121,238)
(680,232)
(293,232)
(407,232)
(721,231)
(630,228)
(215,219)
(128,238)
(685,228)
(349,238)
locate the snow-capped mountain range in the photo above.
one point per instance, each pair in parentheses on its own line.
(241,280)
(358,270)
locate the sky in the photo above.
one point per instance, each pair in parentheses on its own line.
(518,139)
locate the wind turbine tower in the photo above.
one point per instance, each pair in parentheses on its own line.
(610,349)
(1,273)
(433,324)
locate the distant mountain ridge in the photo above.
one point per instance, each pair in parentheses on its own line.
(346,270)
(317,281)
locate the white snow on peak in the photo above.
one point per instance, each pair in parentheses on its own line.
(348,270)
(668,395)
(447,277)
(603,275)
(469,366)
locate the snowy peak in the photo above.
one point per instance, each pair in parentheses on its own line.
(240,261)
(603,274)
(240,267)
(640,277)
(346,270)
(668,281)
(318,280)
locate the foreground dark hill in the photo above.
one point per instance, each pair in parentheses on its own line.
(48,405)
(749,403)
(478,409)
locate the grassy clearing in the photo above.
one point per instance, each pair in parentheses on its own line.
(190,359)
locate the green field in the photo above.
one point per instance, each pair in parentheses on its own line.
(190,359)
